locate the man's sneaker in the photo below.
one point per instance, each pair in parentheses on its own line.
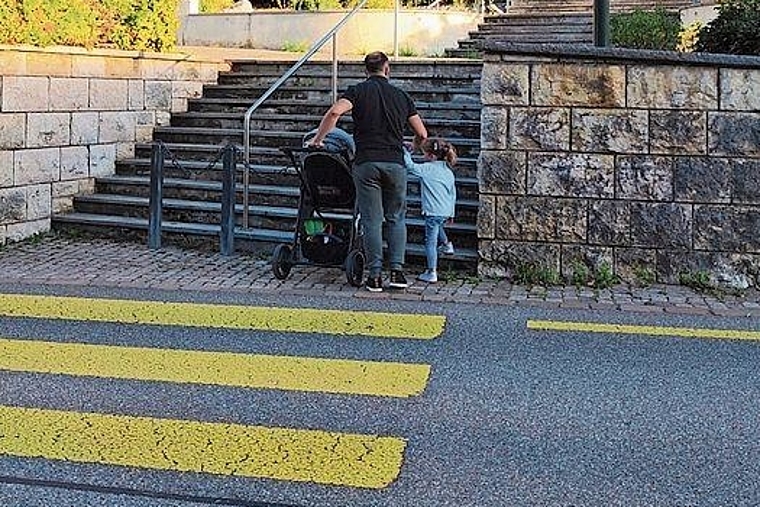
(428,276)
(398,280)
(447,249)
(374,284)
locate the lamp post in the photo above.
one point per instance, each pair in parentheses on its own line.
(601,23)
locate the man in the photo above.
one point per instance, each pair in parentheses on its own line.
(380,112)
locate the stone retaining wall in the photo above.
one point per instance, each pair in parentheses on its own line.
(67,114)
(648,162)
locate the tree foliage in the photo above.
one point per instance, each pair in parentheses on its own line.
(736,30)
(640,29)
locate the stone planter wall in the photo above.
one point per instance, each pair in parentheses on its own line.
(67,114)
(648,162)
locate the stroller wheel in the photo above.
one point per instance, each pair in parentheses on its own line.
(282,261)
(355,268)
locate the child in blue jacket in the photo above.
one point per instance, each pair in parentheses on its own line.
(438,191)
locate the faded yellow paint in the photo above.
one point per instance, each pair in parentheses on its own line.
(300,320)
(365,461)
(680,332)
(218,368)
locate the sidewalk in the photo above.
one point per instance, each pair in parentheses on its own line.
(104,263)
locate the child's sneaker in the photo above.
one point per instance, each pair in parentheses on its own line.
(398,280)
(374,284)
(428,276)
(447,249)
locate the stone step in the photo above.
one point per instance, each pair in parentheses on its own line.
(324,82)
(404,67)
(466,147)
(296,122)
(445,110)
(425,94)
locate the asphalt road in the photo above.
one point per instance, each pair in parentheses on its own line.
(510,416)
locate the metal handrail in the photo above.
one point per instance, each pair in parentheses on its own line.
(247,119)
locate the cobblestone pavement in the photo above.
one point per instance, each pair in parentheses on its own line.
(63,261)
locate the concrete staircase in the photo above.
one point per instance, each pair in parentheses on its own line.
(447,93)
(551,22)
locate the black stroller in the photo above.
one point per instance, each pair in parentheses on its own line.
(327,226)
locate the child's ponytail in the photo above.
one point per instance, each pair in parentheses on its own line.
(442,150)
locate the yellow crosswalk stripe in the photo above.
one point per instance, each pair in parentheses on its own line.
(343,376)
(680,332)
(302,320)
(345,459)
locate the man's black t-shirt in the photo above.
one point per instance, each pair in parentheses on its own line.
(380,112)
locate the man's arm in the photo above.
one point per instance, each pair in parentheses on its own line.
(420,132)
(330,120)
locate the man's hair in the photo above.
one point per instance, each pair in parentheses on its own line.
(374,62)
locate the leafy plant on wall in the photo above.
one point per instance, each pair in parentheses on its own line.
(736,30)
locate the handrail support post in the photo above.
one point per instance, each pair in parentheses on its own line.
(156,196)
(227,229)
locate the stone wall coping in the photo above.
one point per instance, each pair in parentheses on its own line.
(111,53)
(494,48)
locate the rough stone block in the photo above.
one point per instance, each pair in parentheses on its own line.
(3,235)
(637,266)
(505,84)
(609,223)
(75,163)
(487,217)
(746,181)
(178,105)
(678,132)
(158,95)
(6,169)
(504,259)
(69,94)
(730,270)
(541,219)
(502,172)
(12,205)
(702,179)
(48,129)
(579,260)
(739,89)
(12,130)
(125,150)
(727,228)
(117,126)
(36,166)
(122,68)
(543,129)
(661,225)
(668,87)
(645,178)
(102,160)
(136,92)
(493,131)
(48,64)
(610,131)
(556,84)
(88,66)
(84,128)
(734,134)
(186,89)
(12,63)
(25,94)
(109,94)
(20,231)
(38,202)
(570,175)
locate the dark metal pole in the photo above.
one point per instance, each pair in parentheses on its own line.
(227,238)
(601,23)
(156,196)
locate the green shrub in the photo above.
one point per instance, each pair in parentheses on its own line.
(128,24)
(657,29)
(213,6)
(736,30)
